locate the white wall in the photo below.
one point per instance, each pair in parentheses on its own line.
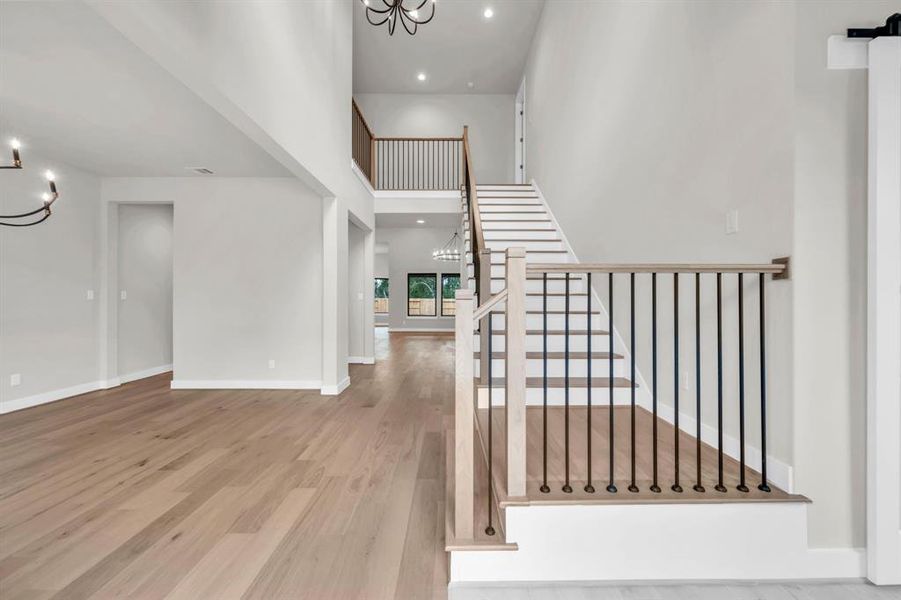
(692,115)
(489,116)
(145,275)
(410,251)
(356,288)
(248,267)
(830,241)
(48,328)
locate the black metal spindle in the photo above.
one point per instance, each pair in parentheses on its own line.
(654,485)
(698,486)
(676,487)
(588,487)
(544,486)
(490,530)
(610,486)
(742,486)
(719,382)
(632,487)
(566,487)
(764,486)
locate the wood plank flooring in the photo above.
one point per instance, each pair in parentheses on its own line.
(146,492)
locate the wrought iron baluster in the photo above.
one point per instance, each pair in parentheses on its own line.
(655,487)
(719,382)
(676,487)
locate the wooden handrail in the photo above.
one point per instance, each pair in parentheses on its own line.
(485,307)
(472,191)
(418,139)
(538,268)
(359,112)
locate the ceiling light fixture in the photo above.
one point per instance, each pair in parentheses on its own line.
(489,12)
(48,198)
(450,252)
(390,11)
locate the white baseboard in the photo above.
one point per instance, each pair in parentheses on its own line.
(9,406)
(244,384)
(143,373)
(420,329)
(334,390)
(361,360)
(673,542)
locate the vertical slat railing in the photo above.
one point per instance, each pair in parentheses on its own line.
(362,144)
(660,458)
(419,163)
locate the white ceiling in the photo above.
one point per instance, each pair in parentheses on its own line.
(74,89)
(458,46)
(442,220)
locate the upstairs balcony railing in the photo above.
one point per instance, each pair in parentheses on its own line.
(406,163)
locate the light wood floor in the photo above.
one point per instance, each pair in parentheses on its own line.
(144,492)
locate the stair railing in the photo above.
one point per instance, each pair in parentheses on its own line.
(640,466)
(406,163)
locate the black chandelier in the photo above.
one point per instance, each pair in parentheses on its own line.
(49,198)
(392,11)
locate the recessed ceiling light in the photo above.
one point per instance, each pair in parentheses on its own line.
(420,76)
(470,84)
(420,221)
(488,13)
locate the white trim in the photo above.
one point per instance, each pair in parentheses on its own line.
(334,390)
(847,53)
(676,542)
(361,176)
(421,329)
(244,384)
(144,373)
(361,360)
(9,406)
(779,472)
(417,194)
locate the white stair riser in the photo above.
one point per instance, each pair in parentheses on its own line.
(513,226)
(528,245)
(555,343)
(546,233)
(509,192)
(554,321)
(532,256)
(557,396)
(491,209)
(536,285)
(519,216)
(578,368)
(559,303)
(511,200)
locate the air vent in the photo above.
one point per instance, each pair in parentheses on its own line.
(200,170)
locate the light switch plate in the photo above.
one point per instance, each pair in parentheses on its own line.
(732,222)
(359,295)
(271,363)
(89,295)
(123,295)
(15,379)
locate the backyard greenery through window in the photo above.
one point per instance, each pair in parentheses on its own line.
(450,283)
(381,295)
(422,291)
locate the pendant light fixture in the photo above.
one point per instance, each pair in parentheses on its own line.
(379,12)
(48,198)
(450,252)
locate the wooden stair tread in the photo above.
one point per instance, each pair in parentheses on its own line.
(557,294)
(555,355)
(560,382)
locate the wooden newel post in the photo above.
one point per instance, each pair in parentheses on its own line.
(515,396)
(464,415)
(484,276)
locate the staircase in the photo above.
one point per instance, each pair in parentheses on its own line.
(514,215)
(582,388)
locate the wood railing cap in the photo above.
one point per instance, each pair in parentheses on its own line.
(538,268)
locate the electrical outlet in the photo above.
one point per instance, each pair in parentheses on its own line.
(123,295)
(89,295)
(15,379)
(686,385)
(271,363)
(732,222)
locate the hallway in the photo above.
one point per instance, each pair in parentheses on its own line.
(146,492)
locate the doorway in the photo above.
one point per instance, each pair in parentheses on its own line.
(145,273)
